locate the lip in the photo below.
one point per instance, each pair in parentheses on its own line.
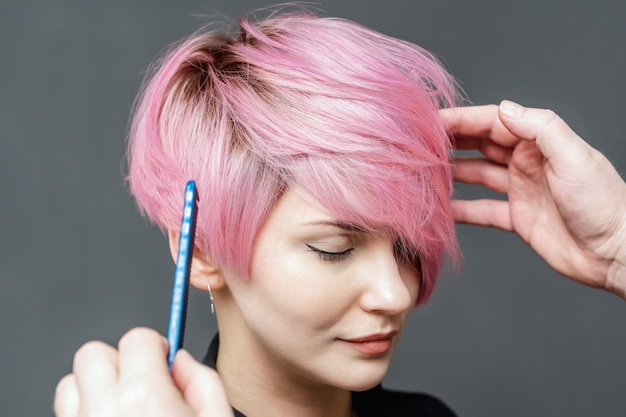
(373,344)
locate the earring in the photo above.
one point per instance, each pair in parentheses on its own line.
(211,298)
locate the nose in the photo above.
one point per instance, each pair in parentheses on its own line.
(390,284)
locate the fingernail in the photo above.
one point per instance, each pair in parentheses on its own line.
(511,109)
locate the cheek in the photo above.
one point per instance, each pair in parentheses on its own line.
(299,290)
(412,279)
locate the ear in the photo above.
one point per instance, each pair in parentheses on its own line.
(203,270)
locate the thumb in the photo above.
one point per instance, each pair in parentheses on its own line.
(554,138)
(201,387)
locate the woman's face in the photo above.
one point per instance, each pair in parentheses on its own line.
(325,303)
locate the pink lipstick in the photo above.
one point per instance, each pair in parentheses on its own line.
(375,344)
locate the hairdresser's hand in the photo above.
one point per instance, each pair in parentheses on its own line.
(565,199)
(134,381)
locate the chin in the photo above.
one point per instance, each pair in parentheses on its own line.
(365,387)
(363,377)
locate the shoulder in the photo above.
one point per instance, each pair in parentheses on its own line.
(390,403)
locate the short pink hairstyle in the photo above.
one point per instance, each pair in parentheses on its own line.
(325,104)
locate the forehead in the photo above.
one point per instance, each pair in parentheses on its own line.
(298,210)
(298,207)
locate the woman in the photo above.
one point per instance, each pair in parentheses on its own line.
(324,173)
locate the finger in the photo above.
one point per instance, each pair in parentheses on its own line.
(477,122)
(554,138)
(497,153)
(95,369)
(142,351)
(482,172)
(201,387)
(491,213)
(66,397)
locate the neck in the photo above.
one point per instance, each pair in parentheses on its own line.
(259,385)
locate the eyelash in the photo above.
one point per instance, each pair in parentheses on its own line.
(331,256)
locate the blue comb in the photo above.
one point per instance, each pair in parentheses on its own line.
(180,290)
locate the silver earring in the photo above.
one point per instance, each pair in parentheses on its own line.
(211,298)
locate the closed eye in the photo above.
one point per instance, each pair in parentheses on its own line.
(331,256)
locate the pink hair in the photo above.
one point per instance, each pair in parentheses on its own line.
(344,112)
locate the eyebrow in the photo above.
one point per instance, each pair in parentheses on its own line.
(338,224)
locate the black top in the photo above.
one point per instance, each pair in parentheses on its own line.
(376,402)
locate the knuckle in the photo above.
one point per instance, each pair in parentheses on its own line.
(551,120)
(89,352)
(137,335)
(553,123)
(65,396)
(64,385)
(547,117)
(137,394)
(143,399)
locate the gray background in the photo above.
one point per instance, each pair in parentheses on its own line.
(504,337)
